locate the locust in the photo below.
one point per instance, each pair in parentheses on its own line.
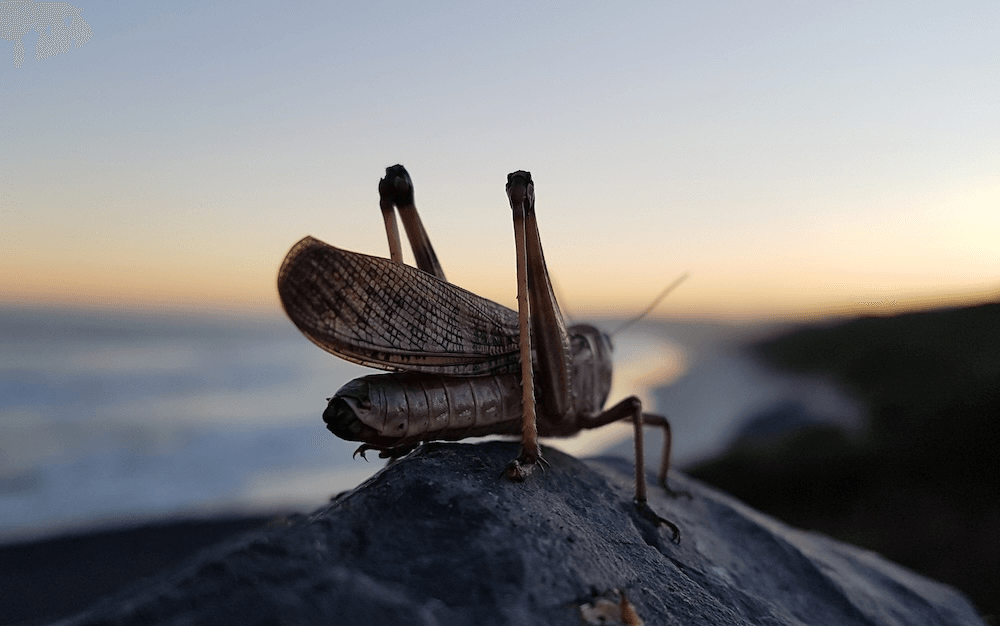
(462,365)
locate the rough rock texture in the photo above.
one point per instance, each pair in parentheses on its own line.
(439,538)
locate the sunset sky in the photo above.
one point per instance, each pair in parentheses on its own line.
(798,159)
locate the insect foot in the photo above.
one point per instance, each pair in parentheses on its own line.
(362,449)
(647,512)
(518,471)
(522,467)
(392,454)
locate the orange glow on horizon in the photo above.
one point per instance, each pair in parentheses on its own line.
(244,294)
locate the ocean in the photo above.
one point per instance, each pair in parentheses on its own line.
(110,418)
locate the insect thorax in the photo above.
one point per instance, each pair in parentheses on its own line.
(592,365)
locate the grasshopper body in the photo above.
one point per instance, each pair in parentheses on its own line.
(460,359)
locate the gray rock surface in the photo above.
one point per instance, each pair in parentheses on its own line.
(439,538)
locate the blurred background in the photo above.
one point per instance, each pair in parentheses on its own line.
(806,163)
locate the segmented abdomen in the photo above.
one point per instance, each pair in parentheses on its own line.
(391,410)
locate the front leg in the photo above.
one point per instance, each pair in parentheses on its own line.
(661,476)
(630,409)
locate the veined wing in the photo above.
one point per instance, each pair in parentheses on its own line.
(391,316)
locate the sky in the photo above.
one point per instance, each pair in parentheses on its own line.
(797,159)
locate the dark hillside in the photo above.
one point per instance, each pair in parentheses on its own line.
(922,486)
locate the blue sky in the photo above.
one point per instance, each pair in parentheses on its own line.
(798,159)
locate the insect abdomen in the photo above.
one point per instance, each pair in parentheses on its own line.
(390,410)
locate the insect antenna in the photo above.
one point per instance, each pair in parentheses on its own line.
(656,301)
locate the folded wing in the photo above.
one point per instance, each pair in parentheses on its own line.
(391,316)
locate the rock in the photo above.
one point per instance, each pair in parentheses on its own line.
(439,538)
